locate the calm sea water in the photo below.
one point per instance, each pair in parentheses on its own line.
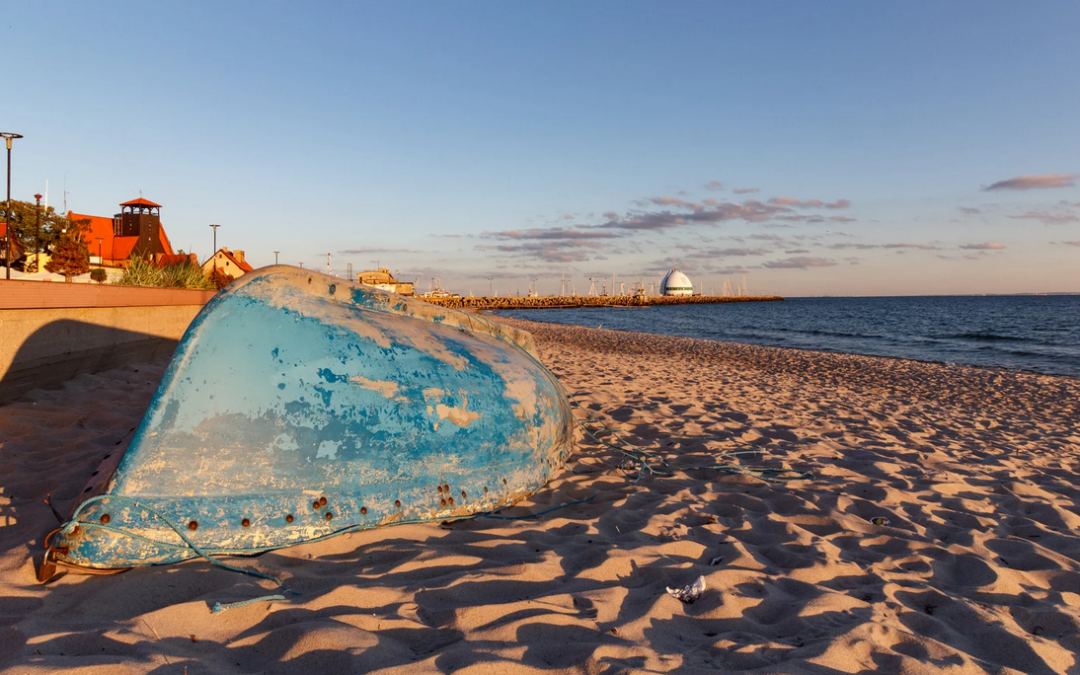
(1037,333)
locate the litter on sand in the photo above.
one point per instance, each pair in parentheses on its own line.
(690,593)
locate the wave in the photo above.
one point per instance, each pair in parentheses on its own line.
(988,337)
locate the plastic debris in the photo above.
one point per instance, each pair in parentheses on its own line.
(690,593)
(716,560)
(879,521)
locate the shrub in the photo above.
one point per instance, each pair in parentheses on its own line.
(70,256)
(144,272)
(219,279)
(99,275)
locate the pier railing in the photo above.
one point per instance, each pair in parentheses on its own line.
(567,301)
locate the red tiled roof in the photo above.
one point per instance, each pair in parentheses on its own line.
(140,202)
(242,265)
(113,248)
(165,243)
(99,227)
(171,259)
(122,247)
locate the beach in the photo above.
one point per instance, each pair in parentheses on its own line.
(884,515)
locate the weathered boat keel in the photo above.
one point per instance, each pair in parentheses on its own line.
(298,406)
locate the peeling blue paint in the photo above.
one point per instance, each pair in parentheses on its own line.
(390,409)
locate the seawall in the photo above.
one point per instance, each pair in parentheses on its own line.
(561,302)
(51,332)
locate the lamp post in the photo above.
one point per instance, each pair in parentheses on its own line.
(214,254)
(100,262)
(275,256)
(8,138)
(37,236)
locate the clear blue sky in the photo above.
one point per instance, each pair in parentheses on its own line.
(464,140)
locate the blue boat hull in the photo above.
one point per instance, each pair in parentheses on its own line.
(299,406)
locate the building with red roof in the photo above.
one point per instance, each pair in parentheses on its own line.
(136,230)
(227,262)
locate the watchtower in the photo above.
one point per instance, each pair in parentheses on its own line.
(140,218)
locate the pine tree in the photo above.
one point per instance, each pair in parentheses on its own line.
(70,256)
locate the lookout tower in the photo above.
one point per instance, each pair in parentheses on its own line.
(141,218)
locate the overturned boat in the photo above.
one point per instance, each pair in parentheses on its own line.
(299,406)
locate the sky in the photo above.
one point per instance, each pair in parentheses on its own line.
(827,148)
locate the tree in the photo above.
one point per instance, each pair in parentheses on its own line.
(220,279)
(99,275)
(70,256)
(24,224)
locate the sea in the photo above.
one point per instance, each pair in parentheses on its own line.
(1038,333)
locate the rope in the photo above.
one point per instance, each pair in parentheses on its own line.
(219,607)
(645,457)
(538,513)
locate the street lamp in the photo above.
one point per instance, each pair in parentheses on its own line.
(8,138)
(275,256)
(214,254)
(37,235)
(100,262)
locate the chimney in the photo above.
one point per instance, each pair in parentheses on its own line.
(239,255)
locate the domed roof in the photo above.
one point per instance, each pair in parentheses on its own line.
(676,283)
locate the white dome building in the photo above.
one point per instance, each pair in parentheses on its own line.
(676,283)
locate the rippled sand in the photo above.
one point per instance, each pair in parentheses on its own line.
(977,570)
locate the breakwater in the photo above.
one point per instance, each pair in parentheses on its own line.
(570,301)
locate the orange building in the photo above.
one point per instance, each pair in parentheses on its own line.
(135,230)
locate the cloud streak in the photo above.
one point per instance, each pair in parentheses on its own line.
(1036,182)
(360,251)
(810,203)
(1048,218)
(985,246)
(800,262)
(551,233)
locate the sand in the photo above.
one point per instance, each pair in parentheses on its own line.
(977,569)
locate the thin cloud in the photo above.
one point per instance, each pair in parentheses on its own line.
(985,246)
(809,203)
(899,245)
(921,247)
(1048,218)
(750,211)
(970,210)
(550,233)
(727,252)
(746,191)
(359,251)
(1071,243)
(714,185)
(674,201)
(548,251)
(1036,182)
(800,262)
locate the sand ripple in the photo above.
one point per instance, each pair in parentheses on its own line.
(977,569)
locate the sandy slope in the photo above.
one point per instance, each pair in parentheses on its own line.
(978,569)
